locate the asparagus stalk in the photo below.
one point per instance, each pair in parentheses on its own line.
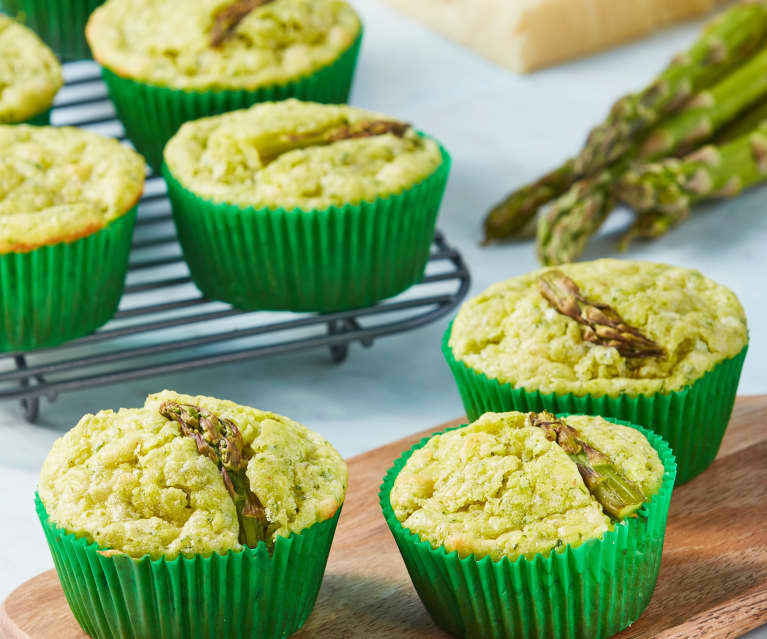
(620,497)
(509,217)
(269,150)
(729,39)
(227,19)
(602,324)
(663,192)
(220,440)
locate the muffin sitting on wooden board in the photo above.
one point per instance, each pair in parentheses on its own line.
(658,345)
(164,65)
(304,206)
(67,208)
(30,75)
(516,510)
(196,494)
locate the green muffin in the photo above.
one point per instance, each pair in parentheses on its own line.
(164,66)
(658,345)
(502,521)
(30,75)
(67,208)
(218,500)
(304,206)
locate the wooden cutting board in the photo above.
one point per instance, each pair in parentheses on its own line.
(712,584)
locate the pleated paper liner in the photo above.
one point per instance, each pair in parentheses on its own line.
(152,114)
(692,420)
(250,594)
(322,260)
(63,291)
(586,592)
(59,23)
(41,119)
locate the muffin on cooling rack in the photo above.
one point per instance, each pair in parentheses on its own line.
(190,506)
(528,525)
(60,23)
(657,345)
(30,75)
(303,206)
(165,64)
(67,208)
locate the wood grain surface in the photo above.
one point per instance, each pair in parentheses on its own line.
(713,578)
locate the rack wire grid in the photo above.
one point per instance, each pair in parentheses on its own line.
(164,325)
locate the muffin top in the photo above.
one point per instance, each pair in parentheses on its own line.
(504,487)
(30,74)
(189,475)
(670,326)
(58,184)
(220,44)
(299,154)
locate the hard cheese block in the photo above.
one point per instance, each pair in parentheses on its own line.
(528,34)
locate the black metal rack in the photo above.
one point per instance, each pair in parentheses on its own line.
(164,325)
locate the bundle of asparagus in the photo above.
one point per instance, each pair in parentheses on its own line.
(703,90)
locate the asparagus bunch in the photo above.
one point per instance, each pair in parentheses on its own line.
(724,43)
(602,324)
(220,440)
(269,150)
(728,40)
(663,192)
(565,229)
(620,497)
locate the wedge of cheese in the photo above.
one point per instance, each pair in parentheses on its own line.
(528,34)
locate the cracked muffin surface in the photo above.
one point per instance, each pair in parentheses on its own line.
(166,43)
(133,482)
(500,488)
(513,334)
(30,74)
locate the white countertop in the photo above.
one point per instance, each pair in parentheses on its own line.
(501,130)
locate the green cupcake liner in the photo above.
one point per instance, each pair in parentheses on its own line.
(237,595)
(315,261)
(586,592)
(63,291)
(692,420)
(59,23)
(152,114)
(41,119)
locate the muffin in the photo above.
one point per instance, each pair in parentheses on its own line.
(530,525)
(303,206)
(67,208)
(164,66)
(60,23)
(30,75)
(657,345)
(190,505)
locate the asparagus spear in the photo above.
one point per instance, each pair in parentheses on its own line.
(620,497)
(220,440)
(509,217)
(602,324)
(663,192)
(725,43)
(273,148)
(729,39)
(227,19)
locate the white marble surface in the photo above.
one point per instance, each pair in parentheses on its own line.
(501,129)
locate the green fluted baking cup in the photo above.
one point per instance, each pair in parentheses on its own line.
(586,592)
(250,594)
(41,119)
(692,420)
(152,114)
(59,23)
(323,260)
(63,291)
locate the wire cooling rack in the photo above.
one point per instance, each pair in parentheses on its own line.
(164,325)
